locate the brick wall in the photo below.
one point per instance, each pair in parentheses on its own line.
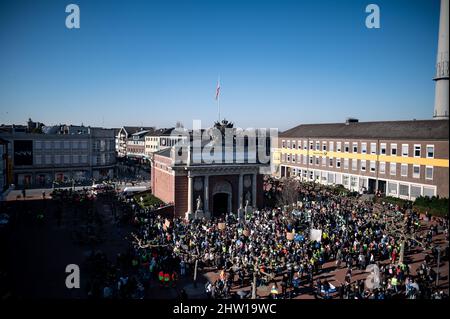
(181,195)
(163,185)
(440,174)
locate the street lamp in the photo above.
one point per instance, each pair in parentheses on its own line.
(255,270)
(438,264)
(195,273)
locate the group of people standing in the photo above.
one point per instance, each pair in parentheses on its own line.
(273,250)
(273,247)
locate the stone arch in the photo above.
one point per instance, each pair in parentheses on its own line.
(222,187)
(219,189)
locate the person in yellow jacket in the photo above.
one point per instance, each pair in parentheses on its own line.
(394,283)
(274,291)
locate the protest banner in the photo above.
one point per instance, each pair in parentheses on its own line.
(315,235)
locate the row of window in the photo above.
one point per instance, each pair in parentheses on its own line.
(60,159)
(349,181)
(38,145)
(135,150)
(361,147)
(163,142)
(97,145)
(364,166)
(103,145)
(170,141)
(102,159)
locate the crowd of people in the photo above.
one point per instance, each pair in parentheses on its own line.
(275,248)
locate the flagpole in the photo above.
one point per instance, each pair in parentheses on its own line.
(218,106)
(218,97)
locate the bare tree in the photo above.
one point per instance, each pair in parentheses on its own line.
(396,226)
(289,192)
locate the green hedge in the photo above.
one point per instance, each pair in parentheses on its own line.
(435,206)
(148,200)
(339,188)
(395,201)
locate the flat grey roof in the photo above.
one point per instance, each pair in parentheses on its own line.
(415,129)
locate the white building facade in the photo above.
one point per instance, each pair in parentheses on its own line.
(41,159)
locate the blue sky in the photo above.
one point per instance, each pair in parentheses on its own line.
(281,63)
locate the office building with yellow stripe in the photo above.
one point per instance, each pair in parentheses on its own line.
(405,159)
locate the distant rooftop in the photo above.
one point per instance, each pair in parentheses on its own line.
(413,129)
(141,133)
(135,129)
(162,132)
(165,152)
(61,129)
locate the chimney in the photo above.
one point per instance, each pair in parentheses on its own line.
(442,64)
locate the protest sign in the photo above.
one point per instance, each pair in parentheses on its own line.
(315,234)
